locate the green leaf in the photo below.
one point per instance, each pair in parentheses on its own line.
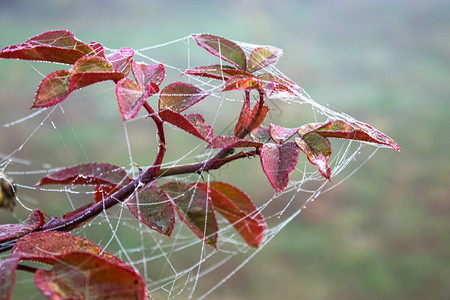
(195,209)
(261,57)
(318,150)
(153,207)
(223,48)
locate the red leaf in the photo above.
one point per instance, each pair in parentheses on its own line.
(58,85)
(88,173)
(131,97)
(191,123)
(80,275)
(277,161)
(261,57)
(281,134)
(232,142)
(238,209)
(13,231)
(120,60)
(55,46)
(216,71)
(179,96)
(241,82)
(244,119)
(318,149)
(195,209)
(7,277)
(349,130)
(260,134)
(49,246)
(223,48)
(153,207)
(147,73)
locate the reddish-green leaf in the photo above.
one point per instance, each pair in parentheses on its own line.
(277,161)
(147,73)
(49,246)
(261,57)
(260,134)
(317,149)
(241,82)
(216,72)
(179,96)
(281,134)
(13,231)
(81,275)
(98,48)
(195,209)
(238,209)
(232,142)
(191,123)
(349,130)
(7,277)
(131,97)
(120,60)
(153,207)
(55,46)
(88,173)
(87,70)
(273,83)
(223,48)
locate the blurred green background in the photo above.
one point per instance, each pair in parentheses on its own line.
(383,233)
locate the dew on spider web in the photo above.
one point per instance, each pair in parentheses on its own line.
(181,266)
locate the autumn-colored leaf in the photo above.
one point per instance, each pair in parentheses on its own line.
(273,83)
(131,97)
(216,71)
(179,96)
(147,73)
(87,70)
(54,46)
(120,60)
(88,173)
(277,161)
(232,142)
(49,246)
(261,57)
(241,82)
(245,117)
(223,48)
(13,231)
(349,130)
(191,123)
(98,48)
(318,150)
(235,206)
(7,277)
(195,209)
(153,207)
(260,134)
(81,275)
(281,134)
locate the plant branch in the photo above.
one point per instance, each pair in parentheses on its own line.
(154,169)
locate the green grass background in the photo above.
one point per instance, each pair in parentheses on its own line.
(383,233)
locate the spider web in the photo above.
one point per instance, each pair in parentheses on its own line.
(181,266)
